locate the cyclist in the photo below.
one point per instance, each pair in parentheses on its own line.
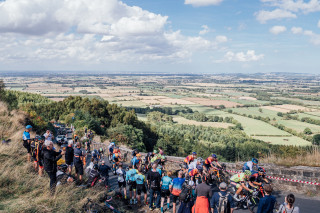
(136,160)
(115,161)
(93,176)
(251,166)
(101,152)
(27,140)
(238,182)
(94,155)
(258,179)
(130,178)
(110,149)
(209,162)
(190,158)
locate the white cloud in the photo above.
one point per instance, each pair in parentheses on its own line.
(319,23)
(201,3)
(205,30)
(264,16)
(95,31)
(287,9)
(277,29)
(296,30)
(250,55)
(221,39)
(314,38)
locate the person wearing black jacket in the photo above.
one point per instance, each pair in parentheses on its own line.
(69,156)
(154,179)
(50,158)
(104,172)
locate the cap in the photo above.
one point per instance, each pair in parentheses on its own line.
(223,185)
(194,153)
(28,127)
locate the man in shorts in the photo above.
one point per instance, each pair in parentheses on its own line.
(177,184)
(69,156)
(121,173)
(131,179)
(27,140)
(141,186)
(166,184)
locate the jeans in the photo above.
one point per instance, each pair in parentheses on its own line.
(152,192)
(53,181)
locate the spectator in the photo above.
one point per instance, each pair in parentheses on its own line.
(204,192)
(141,186)
(27,140)
(222,201)
(154,179)
(48,136)
(267,203)
(104,172)
(50,158)
(69,156)
(131,178)
(177,184)
(166,183)
(122,180)
(78,161)
(288,207)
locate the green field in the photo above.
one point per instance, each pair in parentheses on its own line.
(131,103)
(299,126)
(293,140)
(254,111)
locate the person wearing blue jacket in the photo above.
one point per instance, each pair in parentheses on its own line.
(131,180)
(267,203)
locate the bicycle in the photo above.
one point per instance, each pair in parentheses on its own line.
(92,207)
(220,175)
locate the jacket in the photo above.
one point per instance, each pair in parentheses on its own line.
(50,159)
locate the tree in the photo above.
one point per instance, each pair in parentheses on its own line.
(260,110)
(2,91)
(307,131)
(316,139)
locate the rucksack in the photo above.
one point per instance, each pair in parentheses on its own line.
(223,203)
(185,193)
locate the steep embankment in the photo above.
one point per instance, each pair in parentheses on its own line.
(21,190)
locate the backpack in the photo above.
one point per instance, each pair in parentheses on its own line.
(223,203)
(185,193)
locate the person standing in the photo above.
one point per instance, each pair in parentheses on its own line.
(122,180)
(222,201)
(48,136)
(267,203)
(288,207)
(154,179)
(104,172)
(27,140)
(176,189)
(204,193)
(78,161)
(69,156)
(131,179)
(141,186)
(50,158)
(166,184)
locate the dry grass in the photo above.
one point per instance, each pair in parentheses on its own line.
(311,159)
(21,190)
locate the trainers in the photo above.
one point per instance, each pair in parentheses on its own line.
(151,209)
(135,201)
(130,201)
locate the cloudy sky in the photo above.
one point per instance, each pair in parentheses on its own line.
(193,36)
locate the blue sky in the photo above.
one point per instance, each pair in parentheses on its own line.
(198,36)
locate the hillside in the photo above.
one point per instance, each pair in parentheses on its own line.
(21,190)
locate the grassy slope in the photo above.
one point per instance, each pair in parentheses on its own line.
(21,190)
